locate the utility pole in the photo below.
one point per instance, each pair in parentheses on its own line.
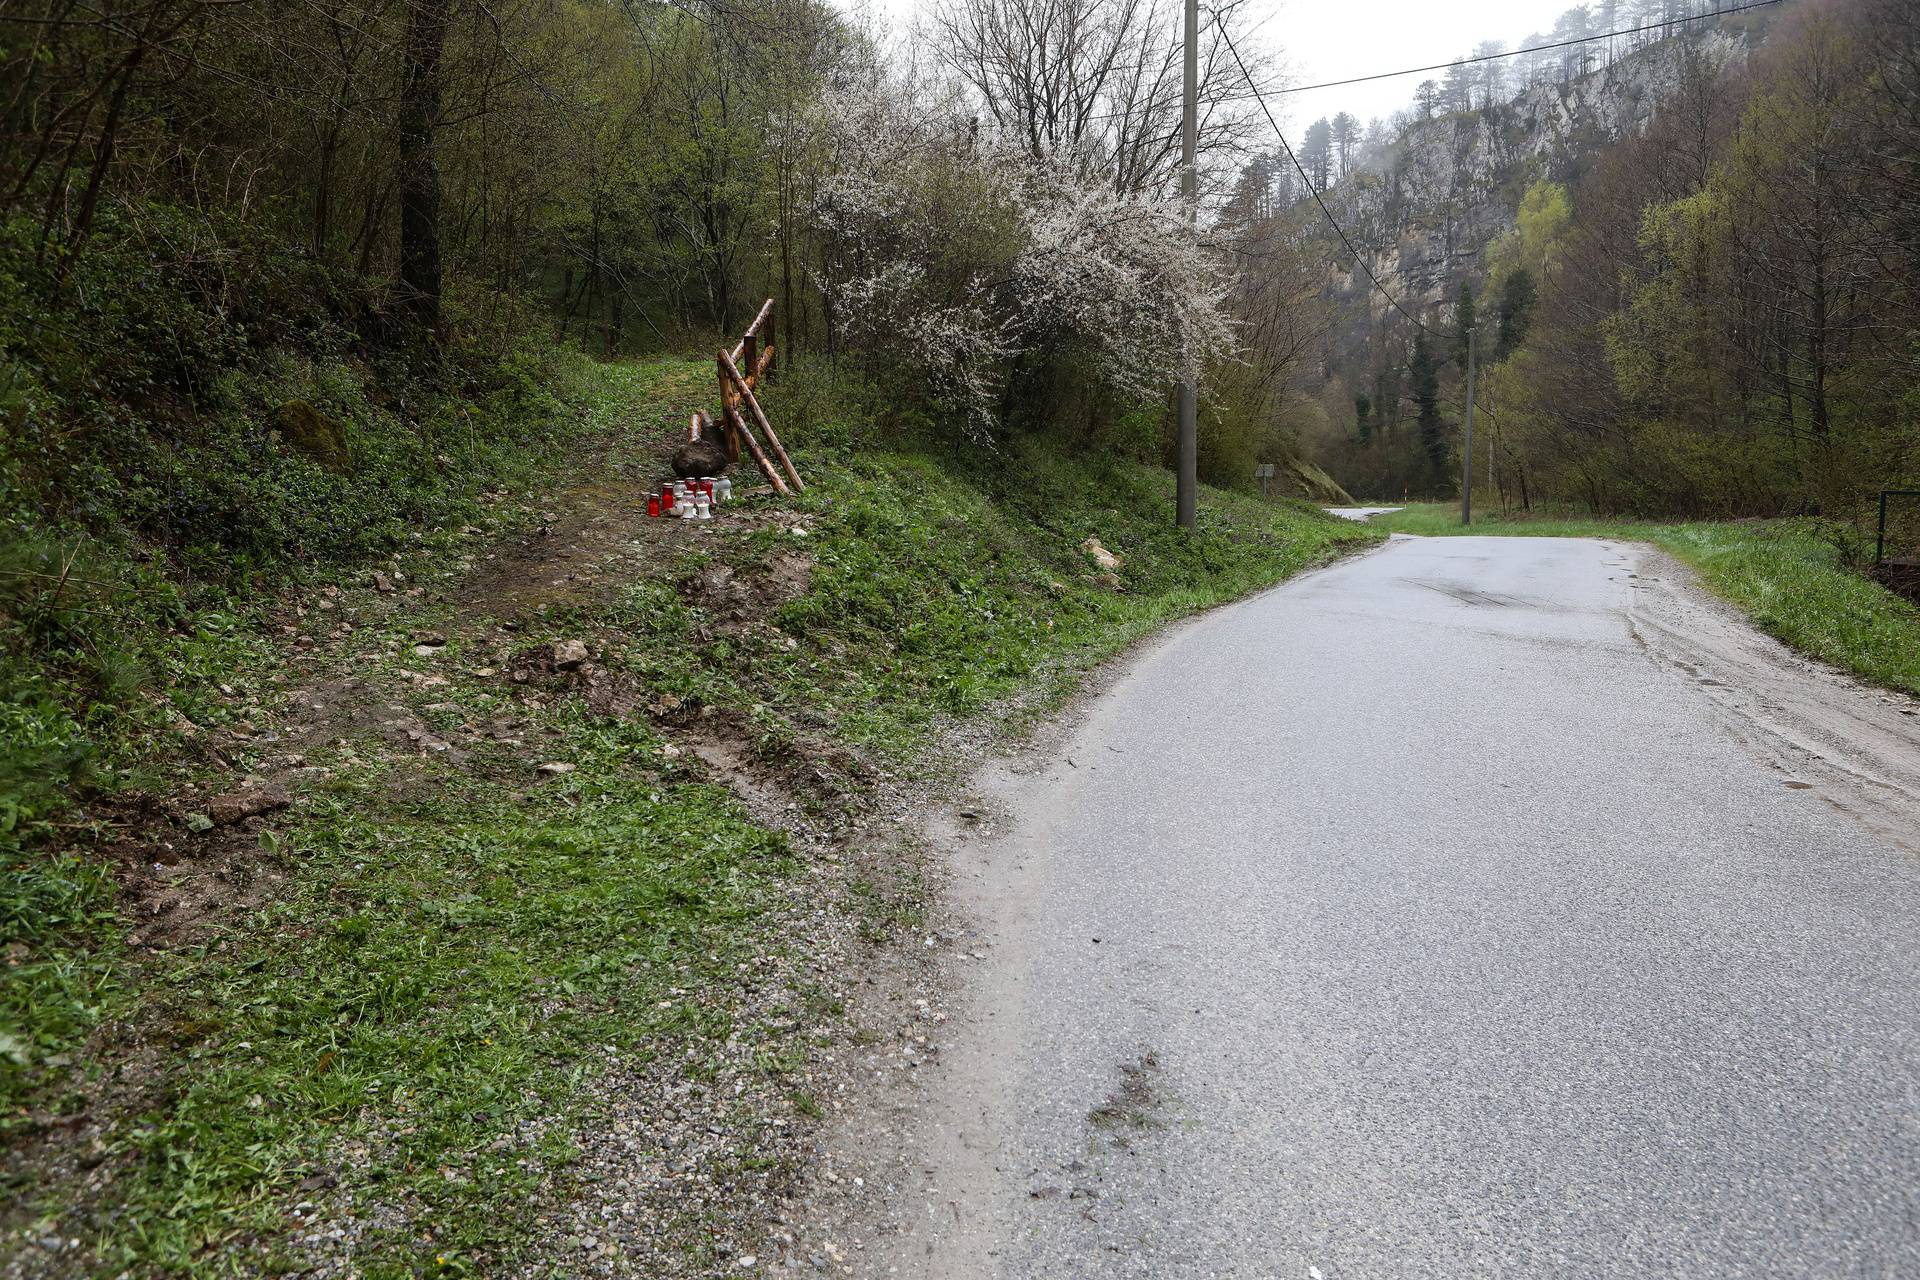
(1466,458)
(1187,482)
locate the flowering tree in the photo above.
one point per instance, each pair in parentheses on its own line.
(952,253)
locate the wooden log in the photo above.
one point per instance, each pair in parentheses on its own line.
(756,375)
(753,330)
(759,455)
(729,404)
(760,318)
(759,415)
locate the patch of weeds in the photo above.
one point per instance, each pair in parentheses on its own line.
(1133,1103)
(425,1000)
(115,665)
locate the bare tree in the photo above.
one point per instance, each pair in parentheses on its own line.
(1097,83)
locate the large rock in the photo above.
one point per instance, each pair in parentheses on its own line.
(314,435)
(1098,553)
(1316,485)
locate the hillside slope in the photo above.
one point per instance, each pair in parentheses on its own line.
(497,907)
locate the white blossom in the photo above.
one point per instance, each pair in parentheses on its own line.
(950,254)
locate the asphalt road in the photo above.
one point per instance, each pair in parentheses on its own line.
(1433,916)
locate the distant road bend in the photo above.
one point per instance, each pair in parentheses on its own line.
(1476,907)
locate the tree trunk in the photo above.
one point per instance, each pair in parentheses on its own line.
(420,269)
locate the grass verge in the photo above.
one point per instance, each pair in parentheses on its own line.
(395,1057)
(1791,577)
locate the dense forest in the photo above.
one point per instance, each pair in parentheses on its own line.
(1690,261)
(189,186)
(283,285)
(416,859)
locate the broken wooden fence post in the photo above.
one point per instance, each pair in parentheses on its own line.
(752,333)
(747,397)
(737,423)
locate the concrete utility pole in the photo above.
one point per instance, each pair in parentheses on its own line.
(1187,484)
(1466,457)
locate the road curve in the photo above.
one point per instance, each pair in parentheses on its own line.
(1427,917)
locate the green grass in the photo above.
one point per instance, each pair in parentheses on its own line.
(108,680)
(1791,577)
(940,588)
(410,1028)
(411,1021)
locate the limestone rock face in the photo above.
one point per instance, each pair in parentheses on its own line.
(1451,184)
(1315,485)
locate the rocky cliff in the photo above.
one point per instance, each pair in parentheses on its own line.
(1430,204)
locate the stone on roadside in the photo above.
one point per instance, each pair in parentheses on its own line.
(568,655)
(1098,553)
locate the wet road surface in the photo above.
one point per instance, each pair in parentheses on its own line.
(1440,914)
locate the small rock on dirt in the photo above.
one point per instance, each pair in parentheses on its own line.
(247,802)
(568,655)
(553,768)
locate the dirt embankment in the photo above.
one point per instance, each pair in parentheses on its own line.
(659,1185)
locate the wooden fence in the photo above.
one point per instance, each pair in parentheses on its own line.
(740,372)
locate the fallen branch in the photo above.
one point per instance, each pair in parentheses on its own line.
(745,393)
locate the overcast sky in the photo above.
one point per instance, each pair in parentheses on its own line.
(1334,39)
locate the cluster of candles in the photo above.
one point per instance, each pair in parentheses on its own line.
(690,499)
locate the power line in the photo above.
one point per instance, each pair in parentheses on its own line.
(1359,261)
(1314,191)
(1536,48)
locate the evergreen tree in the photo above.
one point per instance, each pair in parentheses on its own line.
(1316,153)
(1490,75)
(1425,379)
(1516,304)
(1362,418)
(1345,135)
